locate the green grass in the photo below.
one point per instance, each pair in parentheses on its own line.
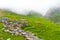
(46,29)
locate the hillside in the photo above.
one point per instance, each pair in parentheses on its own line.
(40,26)
(53,14)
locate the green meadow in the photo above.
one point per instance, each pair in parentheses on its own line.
(38,24)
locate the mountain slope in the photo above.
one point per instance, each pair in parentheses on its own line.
(54,14)
(40,26)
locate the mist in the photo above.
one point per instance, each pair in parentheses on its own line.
(24,6)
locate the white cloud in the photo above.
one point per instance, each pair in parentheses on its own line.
(36,5)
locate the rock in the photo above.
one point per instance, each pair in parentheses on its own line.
(2,28)
(7,30)
(9,39)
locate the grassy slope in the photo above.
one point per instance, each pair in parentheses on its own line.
(8,35)
(46,30)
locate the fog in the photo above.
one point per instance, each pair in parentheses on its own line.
(23,6)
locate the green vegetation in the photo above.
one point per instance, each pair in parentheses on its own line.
(54,14)
(40,26)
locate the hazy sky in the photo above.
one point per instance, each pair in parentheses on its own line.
(26,5)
